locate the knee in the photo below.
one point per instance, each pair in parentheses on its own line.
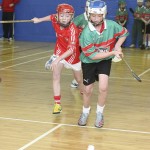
(103,90)
(87,91)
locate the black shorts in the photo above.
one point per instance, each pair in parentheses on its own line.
(148,29)
(92,70)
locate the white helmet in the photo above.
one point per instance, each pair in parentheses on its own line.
(140,1)
(88,3)
(97,7)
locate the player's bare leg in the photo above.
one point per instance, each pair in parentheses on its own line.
(78,78)
(56,88)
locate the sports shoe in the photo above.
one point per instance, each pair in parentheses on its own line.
(83,119)
(74,84)
(147,48)
(10,39)
(57,108)
(3,39)
(99,120)
(132,46)
(49,62)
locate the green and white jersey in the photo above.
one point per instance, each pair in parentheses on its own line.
(93,42)
(146,14)
(138,12)
(121,15)
(81,21)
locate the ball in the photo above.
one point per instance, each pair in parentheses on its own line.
(90,147)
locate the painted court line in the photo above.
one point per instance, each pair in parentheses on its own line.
(67,74)
(23,57)
(40,137)
(22,63)
(72,125)
(144,72)
(4,49)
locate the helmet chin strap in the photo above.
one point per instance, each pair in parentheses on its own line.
(64,25)
(97,24)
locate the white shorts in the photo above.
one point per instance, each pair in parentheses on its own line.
(75,67)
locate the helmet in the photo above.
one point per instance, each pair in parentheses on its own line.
(121,2)
(65,8)
(88,2)
(97,7)
(140,1)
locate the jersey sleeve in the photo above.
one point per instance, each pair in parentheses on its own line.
(120,31)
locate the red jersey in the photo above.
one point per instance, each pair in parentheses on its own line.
(67,39)
(5,5)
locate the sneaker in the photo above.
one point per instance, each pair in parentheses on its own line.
(142,46)
(99,120)
(74,84)
(10,39)
(49,62)
(147,48)
(3,39)
(132,46)
(57,108)
(83,119)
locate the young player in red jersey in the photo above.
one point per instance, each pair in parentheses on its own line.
(66,53)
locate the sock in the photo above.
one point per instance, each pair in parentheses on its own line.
(57,99)
(86,110)
(100,109)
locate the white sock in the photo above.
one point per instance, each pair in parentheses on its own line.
(100,108)
(86,110)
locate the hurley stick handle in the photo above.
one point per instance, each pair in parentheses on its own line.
(15,21)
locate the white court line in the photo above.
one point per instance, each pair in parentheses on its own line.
(23,57)
(67,74)
(4,49)
(22,63)
(144,72)
(40,137)
(72,125)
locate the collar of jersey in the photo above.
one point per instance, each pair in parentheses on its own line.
(123,10)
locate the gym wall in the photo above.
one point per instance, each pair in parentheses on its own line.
(44,32)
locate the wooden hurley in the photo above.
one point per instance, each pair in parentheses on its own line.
(15,21)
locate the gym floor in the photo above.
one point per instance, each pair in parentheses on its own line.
(26,103)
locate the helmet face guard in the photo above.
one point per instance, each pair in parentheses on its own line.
(97,7)
(65,8)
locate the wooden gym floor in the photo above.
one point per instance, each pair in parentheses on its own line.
(26,103)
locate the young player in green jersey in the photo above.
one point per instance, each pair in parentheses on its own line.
(121,14)
(137,34)
(146,20)
(100,41)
